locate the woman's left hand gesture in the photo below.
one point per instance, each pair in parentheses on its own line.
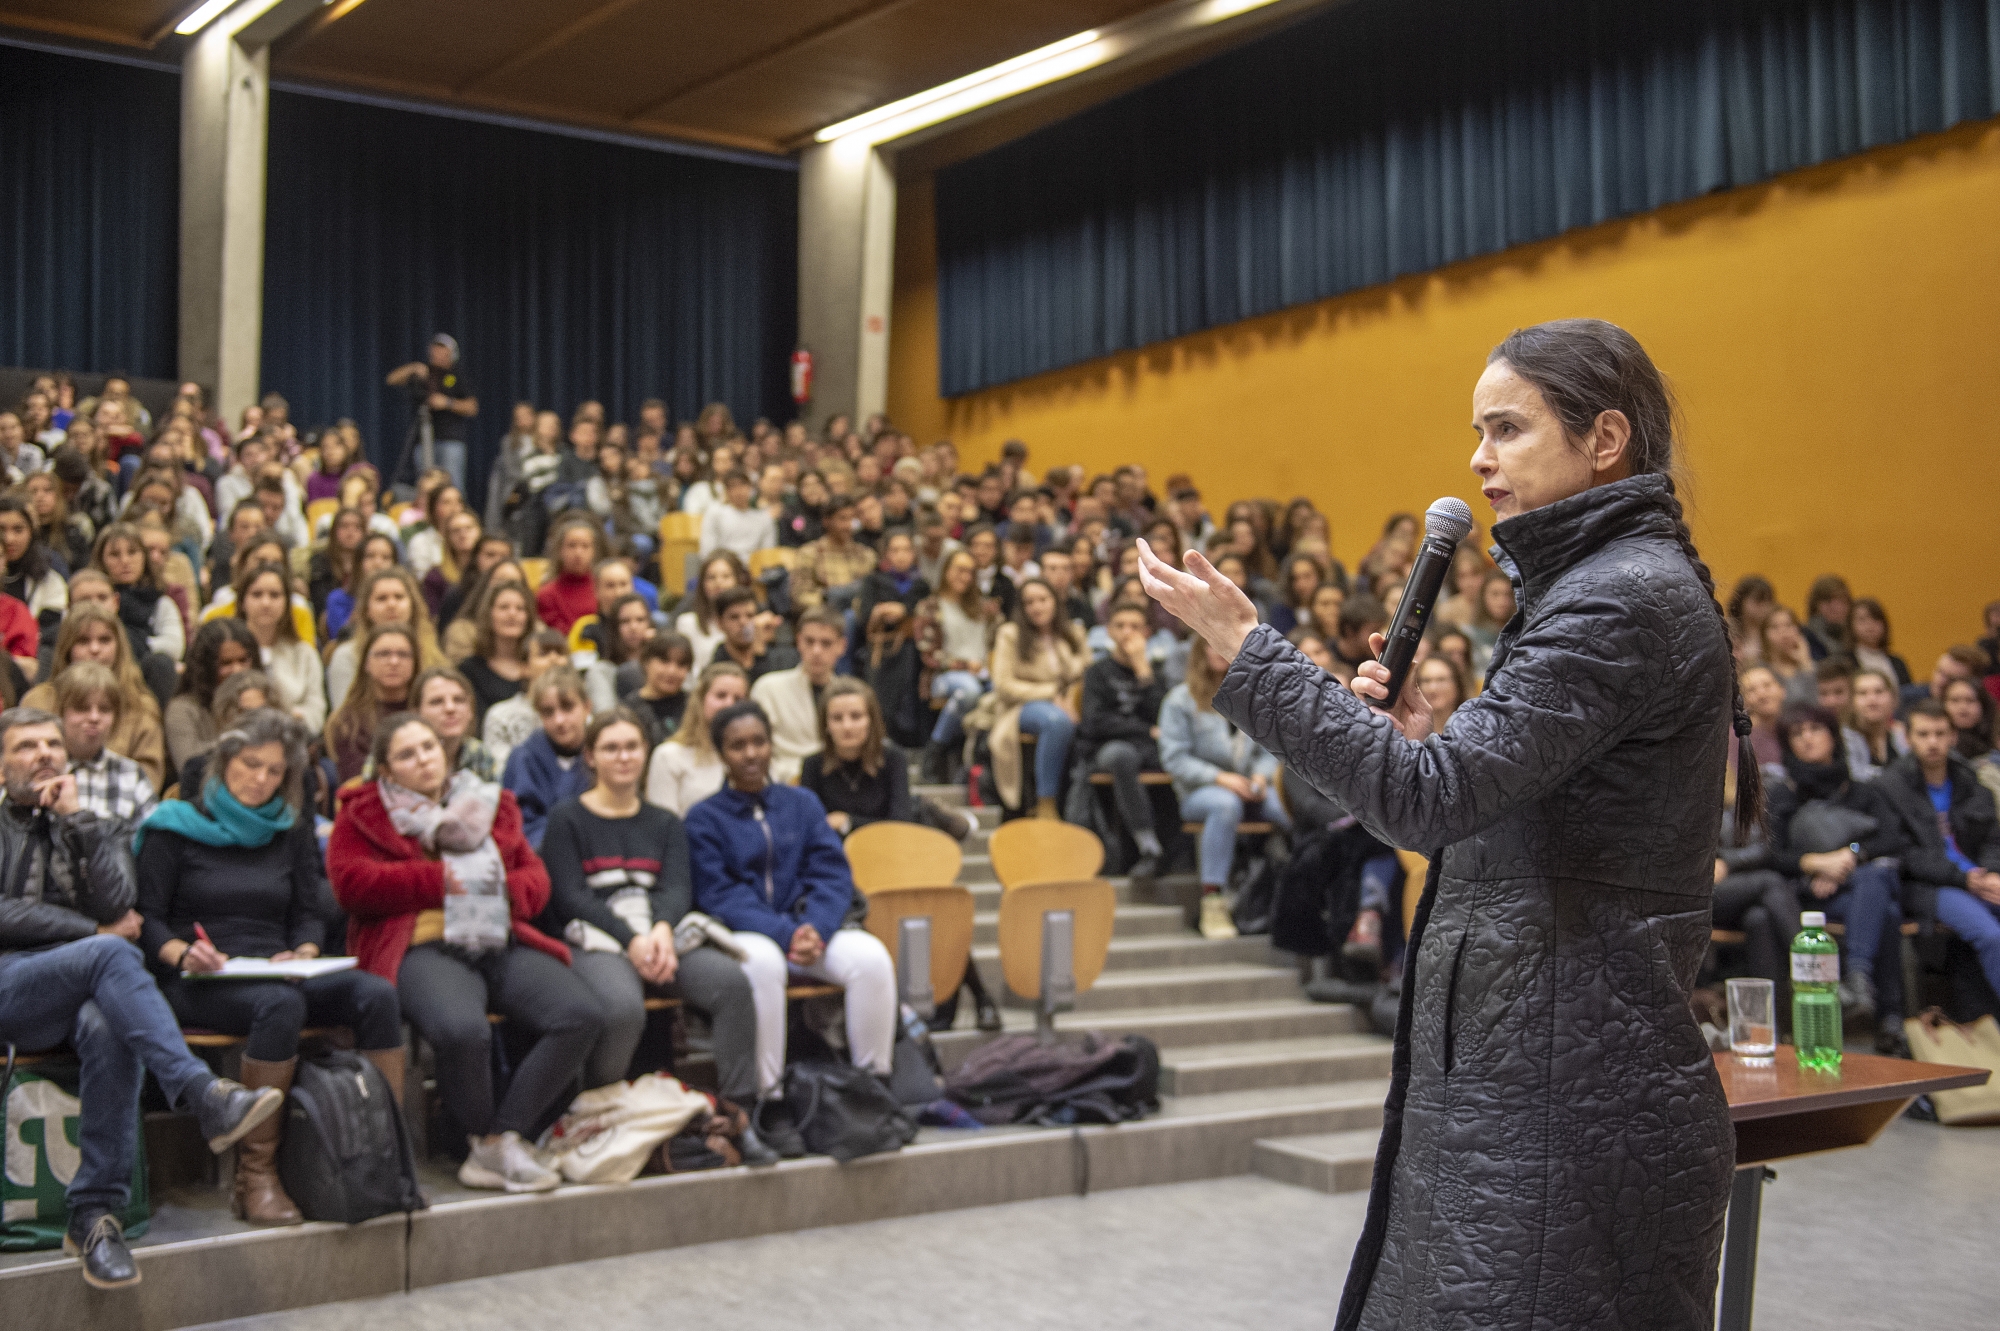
(1200,598)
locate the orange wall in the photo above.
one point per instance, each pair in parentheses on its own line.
(1834,337)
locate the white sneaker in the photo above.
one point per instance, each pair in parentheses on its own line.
(506,1162)
(971,823)
(1215,918)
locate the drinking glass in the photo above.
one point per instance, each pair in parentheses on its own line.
(1753,1026)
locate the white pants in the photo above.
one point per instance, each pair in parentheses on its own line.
(857,962)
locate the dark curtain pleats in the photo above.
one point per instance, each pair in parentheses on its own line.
(1388,137)
(89,214)
(567,269)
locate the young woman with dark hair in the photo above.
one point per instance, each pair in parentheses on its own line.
(390,596)
(376,554)
(142,605)
(323,481)
(1788,656)
(1750,604)
(221,648)
(1868,628)
(1970,709)
(1828,605)
(263,605)
(1038,660)
(770,869)
(1443,687)
(1537,1043)
(239,852)
(498,664)
(456,552)
(699,623)
(388,668)
(1303,575)
(332,567)
(462,595)
(1876,700)
(30,575)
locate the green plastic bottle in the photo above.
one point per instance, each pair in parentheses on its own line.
(1816,995)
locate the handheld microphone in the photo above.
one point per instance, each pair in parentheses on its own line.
(1446,523)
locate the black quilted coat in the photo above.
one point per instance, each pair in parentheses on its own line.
(1556,1151)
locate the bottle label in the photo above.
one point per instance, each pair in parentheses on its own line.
(1815,968)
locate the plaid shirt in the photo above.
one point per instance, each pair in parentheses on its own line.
(113,786)
(823,566)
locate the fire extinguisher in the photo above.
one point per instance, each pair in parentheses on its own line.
(802,376)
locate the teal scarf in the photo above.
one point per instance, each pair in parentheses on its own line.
(229,822)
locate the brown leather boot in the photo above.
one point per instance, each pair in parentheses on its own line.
(260,1198)
(389,1062)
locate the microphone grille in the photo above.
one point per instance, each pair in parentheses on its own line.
(1448,519)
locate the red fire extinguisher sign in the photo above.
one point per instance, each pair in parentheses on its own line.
(802,376)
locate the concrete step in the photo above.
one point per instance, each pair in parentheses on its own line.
(1251,1065)
(195,1255)
(1172,1028)
(1177,986)
(1324,1162)
(976,868)
(1165,950)
(1131,922)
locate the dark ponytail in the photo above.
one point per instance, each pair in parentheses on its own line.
(1584,367)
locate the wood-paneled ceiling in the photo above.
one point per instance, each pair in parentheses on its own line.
(753,74)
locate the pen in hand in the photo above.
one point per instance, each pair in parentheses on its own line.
(204,955)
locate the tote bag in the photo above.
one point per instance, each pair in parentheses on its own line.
(1935,1040)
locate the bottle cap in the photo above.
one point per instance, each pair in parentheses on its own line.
(1812,919)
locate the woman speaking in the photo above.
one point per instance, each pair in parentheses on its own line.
(1556,1150)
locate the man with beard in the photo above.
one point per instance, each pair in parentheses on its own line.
(70,972)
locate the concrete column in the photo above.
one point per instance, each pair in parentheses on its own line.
(847,253)
(225,105)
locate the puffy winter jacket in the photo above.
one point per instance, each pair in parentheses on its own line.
(1556,1149)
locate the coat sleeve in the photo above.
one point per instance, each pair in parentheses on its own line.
(1582,675)
(103,851)
(159,875)
(371,884)
(728,893)
(306,922)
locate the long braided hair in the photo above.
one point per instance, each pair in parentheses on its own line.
(1584,367)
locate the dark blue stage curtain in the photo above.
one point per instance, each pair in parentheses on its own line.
(568,268)
(90,160)
(1388,137)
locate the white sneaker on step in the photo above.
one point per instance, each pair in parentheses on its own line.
(1215,918)
(508,1163)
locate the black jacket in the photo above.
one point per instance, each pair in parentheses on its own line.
(61,877)
(1556,1147)
(848,789)
(1974,826)
(1784,799)
(1117,706)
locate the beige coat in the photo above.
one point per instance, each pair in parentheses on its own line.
(1048,676)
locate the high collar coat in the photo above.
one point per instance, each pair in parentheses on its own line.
(1556,1151)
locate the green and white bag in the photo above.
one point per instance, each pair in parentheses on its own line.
(42,1157)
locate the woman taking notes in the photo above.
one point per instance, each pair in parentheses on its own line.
(1557,1150)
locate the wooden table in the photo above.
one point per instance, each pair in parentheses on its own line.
(1782,1111)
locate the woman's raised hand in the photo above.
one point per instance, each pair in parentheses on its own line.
(1200,598)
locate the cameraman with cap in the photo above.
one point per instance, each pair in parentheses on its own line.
(438,385)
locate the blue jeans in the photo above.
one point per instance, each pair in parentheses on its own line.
(1219,812)
(1977,922)
(1868,903)
(450,454)
(961,689)
(1053,730)
(96,995)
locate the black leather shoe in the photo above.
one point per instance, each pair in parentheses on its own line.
(751,1147)
(226,1111)
(1144,869)
(987,1014)
(772,1122)
(99,1240)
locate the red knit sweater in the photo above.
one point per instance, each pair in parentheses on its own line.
(566,598)
(383,879)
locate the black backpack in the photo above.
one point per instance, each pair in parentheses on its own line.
(346,1153)
(844,1111)
(1019,1079)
